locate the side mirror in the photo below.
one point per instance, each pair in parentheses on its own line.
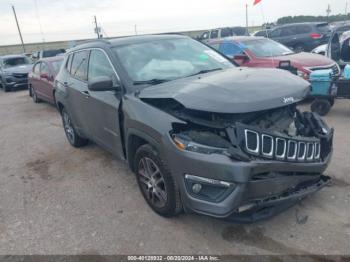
(241,58)
(102,83)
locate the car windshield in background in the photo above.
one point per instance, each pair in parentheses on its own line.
(267,48)
(16,61)
(164,60)
(56,65)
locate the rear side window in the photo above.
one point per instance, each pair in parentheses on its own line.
(80,65)
(69,62)
(276,33)
(214,34)
(303,29)
(287,31)
(230,49)
(100,66)
(225,32)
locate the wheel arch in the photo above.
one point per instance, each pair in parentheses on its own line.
(135,139)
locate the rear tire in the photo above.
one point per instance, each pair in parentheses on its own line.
(156,182)
(6,88)
(35,97)
(73,137)
(321,106)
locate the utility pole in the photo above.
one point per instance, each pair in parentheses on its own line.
(246,17)
(135,28)
(19,30)
(346,8)
(329,10)
(97,30)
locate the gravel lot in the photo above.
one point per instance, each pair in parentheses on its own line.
(55,199)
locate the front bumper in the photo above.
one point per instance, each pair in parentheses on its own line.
(269,186)
(17,85)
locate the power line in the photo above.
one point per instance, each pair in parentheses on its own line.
(39,20)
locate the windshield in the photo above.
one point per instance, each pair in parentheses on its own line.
(16,61)
(168,59)
(267,48)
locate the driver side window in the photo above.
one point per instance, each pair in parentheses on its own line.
(100,66)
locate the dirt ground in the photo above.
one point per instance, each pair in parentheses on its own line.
(55,199)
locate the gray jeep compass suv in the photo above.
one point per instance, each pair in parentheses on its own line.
(201,134)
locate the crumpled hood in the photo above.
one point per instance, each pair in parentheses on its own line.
(22,69)
(237,90)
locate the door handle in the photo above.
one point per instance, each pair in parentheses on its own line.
(86,94)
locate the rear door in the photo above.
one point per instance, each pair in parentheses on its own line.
(44,84)
(35,76)
(77,89)
(102,106)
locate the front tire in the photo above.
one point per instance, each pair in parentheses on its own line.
(73,137)
(156,182)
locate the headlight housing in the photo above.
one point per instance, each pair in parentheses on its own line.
(184,143)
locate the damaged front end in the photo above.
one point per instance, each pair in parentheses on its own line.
(276,157)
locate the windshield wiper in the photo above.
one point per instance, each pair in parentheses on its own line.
(154,81)
(205,71)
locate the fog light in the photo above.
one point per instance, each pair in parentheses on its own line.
(196,188)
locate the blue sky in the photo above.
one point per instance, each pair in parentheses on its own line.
(52,20)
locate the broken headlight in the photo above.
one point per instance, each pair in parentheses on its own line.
(200,142)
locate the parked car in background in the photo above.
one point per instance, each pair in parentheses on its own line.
(338,47)
(223,32)
(47,53)
(41,79)
(14,71)
(200,134)
(262,52)
(337,29)
(301,36)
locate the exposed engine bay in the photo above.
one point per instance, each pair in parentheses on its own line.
(282,133)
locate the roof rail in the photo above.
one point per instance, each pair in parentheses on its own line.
(102,40)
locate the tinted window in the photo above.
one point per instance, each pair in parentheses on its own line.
(240,31)
(324,28)
(287,31)
(44,69)
(99,65)
(276,33)
(79,65)
(225,32)
(230,49)
(69,63)
(50,53)
(303,29)
(214,34)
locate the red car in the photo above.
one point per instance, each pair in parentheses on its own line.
(41,79)
(262,52)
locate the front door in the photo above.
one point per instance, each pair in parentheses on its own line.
(103,106)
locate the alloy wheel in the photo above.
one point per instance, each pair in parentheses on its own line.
(152,182)
(68,127)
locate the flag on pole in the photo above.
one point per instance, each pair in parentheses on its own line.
(256,2)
